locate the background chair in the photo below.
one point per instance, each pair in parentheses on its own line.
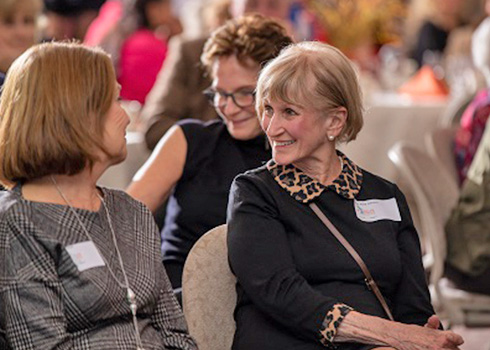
(455,108)
(440,144)
(435,195)
(208,292)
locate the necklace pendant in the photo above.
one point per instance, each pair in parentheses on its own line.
(131,296)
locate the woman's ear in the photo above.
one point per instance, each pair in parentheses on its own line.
(335,122)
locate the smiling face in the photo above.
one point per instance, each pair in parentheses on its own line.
(114,135)
(231,76)
(299,135)
(17,33)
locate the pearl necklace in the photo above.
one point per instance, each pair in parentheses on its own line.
(130,295)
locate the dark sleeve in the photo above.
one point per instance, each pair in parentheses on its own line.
(411,303)
(261,259)
(31,292)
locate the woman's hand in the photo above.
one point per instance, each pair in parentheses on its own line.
(433,322)
(361,328)
(414,337)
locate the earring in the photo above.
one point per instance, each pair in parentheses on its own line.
(331,137)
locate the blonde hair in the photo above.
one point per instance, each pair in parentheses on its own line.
(250,37)
(313,74)
(52,111)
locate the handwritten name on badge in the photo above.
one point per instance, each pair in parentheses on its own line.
(377,209)
(85,255)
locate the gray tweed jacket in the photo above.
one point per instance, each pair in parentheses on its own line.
(46,302)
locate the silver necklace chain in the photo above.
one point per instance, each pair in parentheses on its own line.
(130,295)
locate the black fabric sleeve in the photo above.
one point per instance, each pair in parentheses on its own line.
(261,259)
(411,303)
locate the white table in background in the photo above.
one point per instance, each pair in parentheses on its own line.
(389,119)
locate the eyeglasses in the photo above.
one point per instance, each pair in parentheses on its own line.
(242,98)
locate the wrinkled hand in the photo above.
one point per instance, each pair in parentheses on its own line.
(428,337)
(433,322)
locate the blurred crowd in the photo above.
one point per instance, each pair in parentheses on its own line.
(218,87)
(137,33)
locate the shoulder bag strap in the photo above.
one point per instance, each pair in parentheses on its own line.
(371,284)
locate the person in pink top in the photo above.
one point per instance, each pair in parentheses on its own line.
(142,55)
(138,44)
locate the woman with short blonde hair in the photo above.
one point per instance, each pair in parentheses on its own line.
(299,284)
(316,84)
(80,265)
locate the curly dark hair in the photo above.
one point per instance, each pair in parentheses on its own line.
(252,37)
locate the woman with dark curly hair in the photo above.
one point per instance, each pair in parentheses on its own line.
(195,162)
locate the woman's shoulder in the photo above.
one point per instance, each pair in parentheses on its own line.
(258,174)
(14,211)
(259,178)
(123,202)
(196,124)
(195,130)
(10,203)
(377,186)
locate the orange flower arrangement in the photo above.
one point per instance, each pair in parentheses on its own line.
(353,23)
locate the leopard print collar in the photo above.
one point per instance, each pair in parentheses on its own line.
(304,189)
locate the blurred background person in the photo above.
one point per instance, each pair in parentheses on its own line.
(80,265)
(69,19)
(19,30)
(109,16)
(474,119)
(468,227)
(196,161)
(429,25)
(138,44)
(177,93)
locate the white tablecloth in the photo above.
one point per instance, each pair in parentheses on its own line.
(120,175)
(391,118)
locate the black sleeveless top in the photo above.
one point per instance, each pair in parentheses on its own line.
(200,198)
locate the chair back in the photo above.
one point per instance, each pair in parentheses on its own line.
(440,144)
(208,292)
(435,195)
(455,108)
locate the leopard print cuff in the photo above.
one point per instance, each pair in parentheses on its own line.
(331,323)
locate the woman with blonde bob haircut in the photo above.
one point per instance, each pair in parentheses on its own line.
(316,84)
(79,264)
(55,125)
(298,286)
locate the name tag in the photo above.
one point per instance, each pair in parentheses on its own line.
(377,209)
(85,255)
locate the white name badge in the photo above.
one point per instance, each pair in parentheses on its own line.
(85,255)
(377,209)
